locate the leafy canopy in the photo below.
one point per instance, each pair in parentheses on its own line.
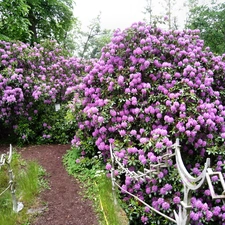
(210,20)
(34,20)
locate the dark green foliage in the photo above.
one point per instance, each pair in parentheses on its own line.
(210,20)
(49,126)
(33,20)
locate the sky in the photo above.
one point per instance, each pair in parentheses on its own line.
(114,13)
(122,13)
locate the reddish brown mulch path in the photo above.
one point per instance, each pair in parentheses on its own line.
(65,205)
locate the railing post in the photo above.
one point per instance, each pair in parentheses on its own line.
(189,183)
(17,206)
(112,176)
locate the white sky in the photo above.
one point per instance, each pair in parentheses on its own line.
(114,13)
(120,13)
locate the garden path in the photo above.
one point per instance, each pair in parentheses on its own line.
(65,204)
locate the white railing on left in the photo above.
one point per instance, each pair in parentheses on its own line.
(6,159)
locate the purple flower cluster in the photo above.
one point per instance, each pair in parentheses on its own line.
(149,87)
(34,76)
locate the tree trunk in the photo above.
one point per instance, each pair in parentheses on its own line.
(33,27)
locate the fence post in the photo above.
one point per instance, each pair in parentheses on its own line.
(190,183)
(17,206)
(112,176)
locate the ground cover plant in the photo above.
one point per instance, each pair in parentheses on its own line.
(150,87)
(32,80)
(29,182)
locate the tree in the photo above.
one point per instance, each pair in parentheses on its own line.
(34,20)
(210,20)
(14,23)
(169,6)
(148,11)
(89,43)
(188,6)
(166,17)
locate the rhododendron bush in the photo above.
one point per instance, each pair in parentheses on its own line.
(32,80)
(148,88)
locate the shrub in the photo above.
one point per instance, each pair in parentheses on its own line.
(148,88)
(32,80)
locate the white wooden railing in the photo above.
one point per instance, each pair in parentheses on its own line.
(189,182)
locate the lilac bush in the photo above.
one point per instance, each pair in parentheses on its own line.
(32,80)
(150,87)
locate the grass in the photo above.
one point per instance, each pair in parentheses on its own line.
(29,182)
(112,213)
(98,187)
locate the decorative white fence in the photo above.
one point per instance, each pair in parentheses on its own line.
(6,160)
(189,182)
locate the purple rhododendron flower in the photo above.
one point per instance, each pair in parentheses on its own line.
(108,166)
(144,91)
(176,200)
(165,205)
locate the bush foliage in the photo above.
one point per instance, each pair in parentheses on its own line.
(32,81)
(148,88)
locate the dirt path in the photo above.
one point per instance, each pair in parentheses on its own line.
(65,204)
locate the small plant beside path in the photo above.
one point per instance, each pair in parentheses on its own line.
(29,182)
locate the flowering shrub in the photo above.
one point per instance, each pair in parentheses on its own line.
(32,80)
(148,88)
